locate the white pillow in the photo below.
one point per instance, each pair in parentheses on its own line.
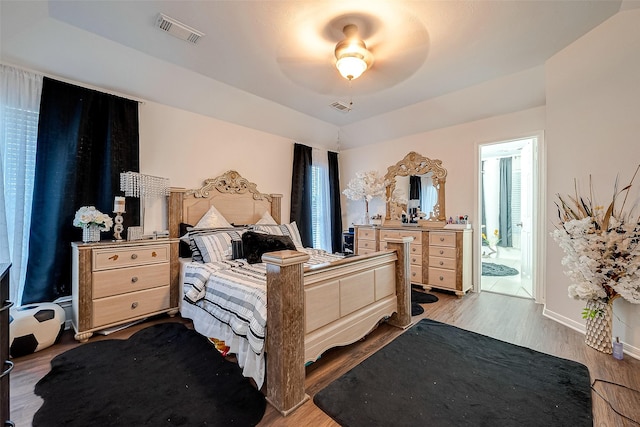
(267,219)
(217,246)
(212,219)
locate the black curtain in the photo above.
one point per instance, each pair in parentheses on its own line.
(415,187)
(504,215)
(85,139)
(334,201)
(301,197)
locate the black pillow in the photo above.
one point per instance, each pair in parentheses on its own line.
(184,249)
(255,244)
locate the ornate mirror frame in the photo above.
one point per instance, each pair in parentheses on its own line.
(416,164)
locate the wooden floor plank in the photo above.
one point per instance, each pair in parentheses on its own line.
(515,320)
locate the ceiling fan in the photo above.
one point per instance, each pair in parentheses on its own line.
(352,56)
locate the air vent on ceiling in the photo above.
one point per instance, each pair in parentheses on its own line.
(178,29)
(341,106)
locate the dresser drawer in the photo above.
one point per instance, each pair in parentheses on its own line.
(124,257)
(448,263)
(415,259)
(366,234)
(127,306)
(397,234)
(367,244)
(442,239)
(442,278)
(130,279)
(442,251)
(416,273)
(364,251)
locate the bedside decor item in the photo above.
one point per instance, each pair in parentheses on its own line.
(92,222)
(365,186)
(118,209)
(602,258)
(145,187)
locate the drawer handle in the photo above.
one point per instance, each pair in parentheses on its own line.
(154,254)
(442,239)
(114,257)
(134,256)
(413,274)
(134,279)
(441,263)
(9,365)
(441,278)
(441,252)
(134,306)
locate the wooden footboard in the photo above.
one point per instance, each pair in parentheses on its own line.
(314,309)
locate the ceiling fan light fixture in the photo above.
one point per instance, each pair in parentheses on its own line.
(352,56)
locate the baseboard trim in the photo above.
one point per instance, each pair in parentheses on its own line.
(578,326)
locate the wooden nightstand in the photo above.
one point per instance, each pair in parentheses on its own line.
(120,282)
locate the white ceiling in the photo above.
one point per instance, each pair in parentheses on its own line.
(436,62)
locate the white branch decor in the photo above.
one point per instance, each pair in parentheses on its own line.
(366,186)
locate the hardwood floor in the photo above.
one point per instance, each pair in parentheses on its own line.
(510,319)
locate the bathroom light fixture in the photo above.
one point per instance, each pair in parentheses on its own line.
(352,56)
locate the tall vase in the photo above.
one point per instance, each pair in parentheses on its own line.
(599,328)
(366,211)
(90,233)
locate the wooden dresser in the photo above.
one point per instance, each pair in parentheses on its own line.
(440,258)
(119,282)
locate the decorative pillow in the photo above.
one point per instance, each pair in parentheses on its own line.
(290,230)
(216,246)
(184,249)
(255,244)
(267,219)
(213,219)
(192,233)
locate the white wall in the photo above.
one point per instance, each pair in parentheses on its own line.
(456,146)
(593,128)
(187,148)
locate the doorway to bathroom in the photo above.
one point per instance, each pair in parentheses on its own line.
(507,178)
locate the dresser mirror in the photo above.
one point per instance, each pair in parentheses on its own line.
(416,184)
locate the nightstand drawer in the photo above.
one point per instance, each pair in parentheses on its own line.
(364,251)
(443,251)
(442,239)
(415,260)
(442,278)
(122,307)
(448,263)
(113,282)
(124,257)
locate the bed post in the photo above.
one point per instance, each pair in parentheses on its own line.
(276,207)
(402,318)
(285,330)
(174,211)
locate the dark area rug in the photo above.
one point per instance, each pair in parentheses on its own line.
(439,375)
(417,298)
(163,375)
(491,269)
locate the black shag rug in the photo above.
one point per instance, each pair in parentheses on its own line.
(439,375)
(163,375)
(491,269)
(418,298)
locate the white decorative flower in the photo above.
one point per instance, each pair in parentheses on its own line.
(602,249)
(366,185)
(89,215)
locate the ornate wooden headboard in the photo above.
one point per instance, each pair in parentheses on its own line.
(236,198)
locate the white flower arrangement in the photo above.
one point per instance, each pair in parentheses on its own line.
(89,216)
(366,185)
(602,249)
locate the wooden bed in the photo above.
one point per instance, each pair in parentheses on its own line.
(310,309)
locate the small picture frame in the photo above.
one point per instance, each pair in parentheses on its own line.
(134,233)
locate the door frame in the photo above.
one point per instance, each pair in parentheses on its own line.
(539,213)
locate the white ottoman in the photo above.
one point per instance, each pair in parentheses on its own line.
(33,327)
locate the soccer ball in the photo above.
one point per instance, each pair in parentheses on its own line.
(34,327)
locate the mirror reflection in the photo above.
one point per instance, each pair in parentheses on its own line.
(415,189)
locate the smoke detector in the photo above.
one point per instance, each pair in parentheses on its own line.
(178,29)
(341,106)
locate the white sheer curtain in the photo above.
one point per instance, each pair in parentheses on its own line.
(19,105)
(321,208)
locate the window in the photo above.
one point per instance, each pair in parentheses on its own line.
(320,208)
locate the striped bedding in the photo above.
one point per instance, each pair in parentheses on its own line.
(228,300)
